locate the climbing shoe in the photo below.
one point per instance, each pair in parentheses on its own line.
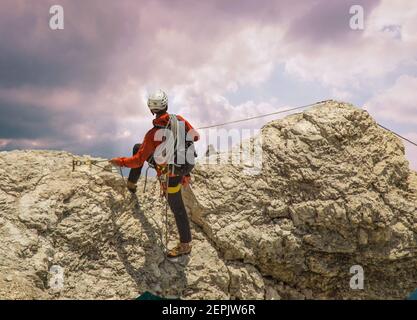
(179,250)
(131,186)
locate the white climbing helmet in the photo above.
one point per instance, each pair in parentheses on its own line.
(157,101)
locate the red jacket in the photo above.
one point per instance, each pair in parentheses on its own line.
(149,144)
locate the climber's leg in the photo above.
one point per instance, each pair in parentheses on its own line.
(134,173)
(181,218)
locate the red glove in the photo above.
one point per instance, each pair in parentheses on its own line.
(117,162)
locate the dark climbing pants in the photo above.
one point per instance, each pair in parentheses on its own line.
(174,200)
(177,206)
(134,173)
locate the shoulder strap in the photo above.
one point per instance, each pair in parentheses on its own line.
(172,118)
(176,137)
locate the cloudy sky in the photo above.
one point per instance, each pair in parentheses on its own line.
(83,89)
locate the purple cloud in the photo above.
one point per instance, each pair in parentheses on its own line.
(82,89)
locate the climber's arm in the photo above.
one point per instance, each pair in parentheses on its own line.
(145,151)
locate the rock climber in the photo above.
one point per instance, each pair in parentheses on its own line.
(174,176)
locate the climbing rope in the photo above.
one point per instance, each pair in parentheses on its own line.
(264,115)
(398,135)
(166,212)
(173,123)
(78,162)
(91,163)
(292,109)
(121,174)
(146,179)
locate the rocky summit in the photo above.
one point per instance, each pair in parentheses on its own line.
(334,193)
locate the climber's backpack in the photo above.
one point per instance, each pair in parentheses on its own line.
(186,166)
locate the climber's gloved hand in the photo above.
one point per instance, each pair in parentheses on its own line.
(118,162)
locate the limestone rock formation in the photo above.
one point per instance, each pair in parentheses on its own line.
(332,190)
